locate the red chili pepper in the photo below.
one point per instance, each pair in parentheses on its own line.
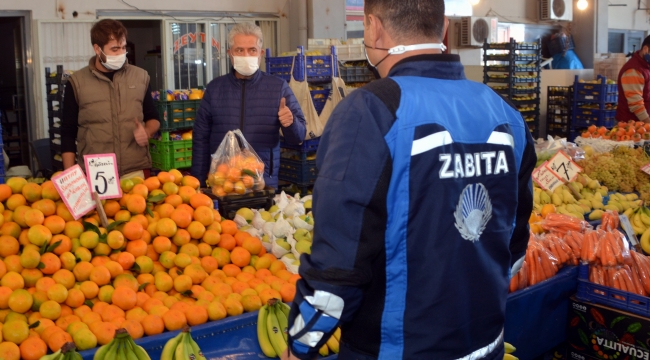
(575,321)
(627,338)
(597,316)
(577,347)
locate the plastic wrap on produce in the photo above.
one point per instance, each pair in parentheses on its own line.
(602,145)
(545,149)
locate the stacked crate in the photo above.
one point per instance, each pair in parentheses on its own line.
(559,110)
(593,104)
(55,86)
(166,152)
(515,73)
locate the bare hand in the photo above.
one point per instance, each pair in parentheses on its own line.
(140,134)
(287,356)
(285,115)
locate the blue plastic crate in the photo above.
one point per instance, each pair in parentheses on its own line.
(588,117)
(536,316)
(301,171)
(595,93)
(229,338)
(319,97)
(319,68)
(604,295)
(306,146)
(281,66)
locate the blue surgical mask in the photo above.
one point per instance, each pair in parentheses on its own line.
(647,57)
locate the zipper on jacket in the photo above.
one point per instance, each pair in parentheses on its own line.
(243,101)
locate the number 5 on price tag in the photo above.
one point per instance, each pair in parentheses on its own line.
(101,170)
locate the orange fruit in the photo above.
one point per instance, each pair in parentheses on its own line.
(240,256)
(52,263)
(34,217)
(174,320)
(200,199)
(58,339)
(46,206)
(133,230)
(252,244)
(115,239)
(548,209)
(166,227)
(111,207)
(125,298)
(39,235)
(181,237)
(170,188)
(82,270)
(64,246)
(231,270)
(10,228)
(20,301)
(216,311)
(196,230)
(181,218)
(196,315)
(136,204)
(55,223)
(104,331)
(288,292)
(134,328)
(8,245)
(228,227)
(123,215)
(33,348)
(141,190)
(153,325)
(227,242)
(65,278)
(14,201)
(233,306)
(137,248)
(186,192)
(152,183)
(165,177)
(161,244)
(32,192)
(126,260)
(268,294)
(222,255)
(5,192)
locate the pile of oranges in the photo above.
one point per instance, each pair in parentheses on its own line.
(623,131)
(237,175)
(165,260)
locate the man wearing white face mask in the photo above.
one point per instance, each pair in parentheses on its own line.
(250,100)
(423,196)
(108,106)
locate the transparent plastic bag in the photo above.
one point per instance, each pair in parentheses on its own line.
(235,167)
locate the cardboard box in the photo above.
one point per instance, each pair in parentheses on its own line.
(599,332)
(609,65)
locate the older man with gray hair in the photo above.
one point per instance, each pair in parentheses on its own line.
(250,100)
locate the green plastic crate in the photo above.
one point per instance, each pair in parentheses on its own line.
(167,155)
(177,115)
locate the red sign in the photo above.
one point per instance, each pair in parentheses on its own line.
(191,38)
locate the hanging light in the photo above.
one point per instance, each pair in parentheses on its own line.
(582,4)
(474,2)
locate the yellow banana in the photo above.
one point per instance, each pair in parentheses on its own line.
(645,219)
(195,347)
(56,355)
(645,241)
(108,351)
(629,213)
(183,351)
(139,351)
(262,333)
(128,349)
(170,348)
(509,348)
(510,357)
(323,351)
(337,334)
(274,330)
(282,320)
(333,344)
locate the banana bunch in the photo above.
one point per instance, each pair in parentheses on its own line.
(640,221)
(122,347)
(509,350)
(272,331)
(182,347)
(272,328)
(66,352)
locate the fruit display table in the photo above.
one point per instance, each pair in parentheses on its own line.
(536,317)
(232,338)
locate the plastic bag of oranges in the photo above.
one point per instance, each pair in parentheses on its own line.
(236,168)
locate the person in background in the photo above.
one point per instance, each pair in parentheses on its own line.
(634,86)
(108,106)
(248,99)
(422,203)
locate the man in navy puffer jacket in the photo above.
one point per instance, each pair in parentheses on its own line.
(257,103)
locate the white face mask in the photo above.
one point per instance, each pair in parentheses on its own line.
(113,62)
(401,49)
(246,65)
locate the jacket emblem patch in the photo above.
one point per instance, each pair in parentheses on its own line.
(473,211)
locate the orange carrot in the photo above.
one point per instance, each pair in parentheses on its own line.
(615,246)
(592,251)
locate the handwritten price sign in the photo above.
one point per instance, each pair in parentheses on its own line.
(102,175)
(545,178)
(563,166)
(74,190)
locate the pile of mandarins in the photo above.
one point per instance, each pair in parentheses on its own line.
(165,260)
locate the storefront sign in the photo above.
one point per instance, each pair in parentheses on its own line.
(74,190)
(191,38)
(563,166)
(102,175)
(545,178)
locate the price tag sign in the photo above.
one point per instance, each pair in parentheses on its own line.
(625,224)
(545,178)
(101,170)
(646,169)
(74,190)
(563,166)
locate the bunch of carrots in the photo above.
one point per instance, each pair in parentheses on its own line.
(568,241)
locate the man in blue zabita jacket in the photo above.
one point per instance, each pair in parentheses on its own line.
(257,103)
(422,202)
